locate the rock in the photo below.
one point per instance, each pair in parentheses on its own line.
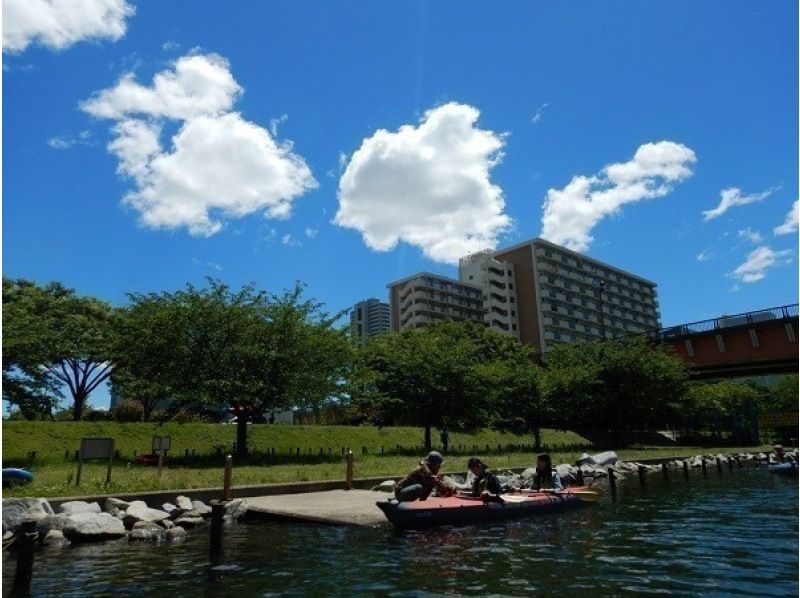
(167,523)
(145,531)
(600,473)
(115,503)
(7,536)
(387,486)
(73,507)
(17,510)
(237,508)
(51,522)
(92,527)
(175,534)
(186,521)
(184,503)
(139,511)
(54,537)
(169,507)
(201,508)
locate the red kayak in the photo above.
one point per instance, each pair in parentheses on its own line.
(457,510)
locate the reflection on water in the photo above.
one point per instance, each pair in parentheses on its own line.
(734,534)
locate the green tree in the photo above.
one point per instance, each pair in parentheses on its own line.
(52,337)
(784,395)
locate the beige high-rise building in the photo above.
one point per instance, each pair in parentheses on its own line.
(425,298)
(496,278)
(564,296)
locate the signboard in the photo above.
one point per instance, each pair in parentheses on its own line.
(95,449)
(161,443)
(778,420)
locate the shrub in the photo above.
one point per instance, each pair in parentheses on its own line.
(96,415)
(128,411)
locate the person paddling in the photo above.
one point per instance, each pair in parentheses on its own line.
(485,481)
(419,484)
(546,477)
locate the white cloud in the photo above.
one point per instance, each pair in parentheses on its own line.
(58,24)
(758,262)
(704,255)
(751,235)
(274,123)
(287,239)
(68,140)
(570,214)
(311,233)
(170,45)
(790,222)
(218,166)
(427,185)
(732,197)
(538,115)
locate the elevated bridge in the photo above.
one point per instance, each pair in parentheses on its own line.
(748,344)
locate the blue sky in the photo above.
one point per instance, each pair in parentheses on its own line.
(347,144)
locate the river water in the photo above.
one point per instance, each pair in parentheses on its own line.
(734,534)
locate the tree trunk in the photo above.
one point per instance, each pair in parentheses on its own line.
(427,437)
(241,434)
(77,406)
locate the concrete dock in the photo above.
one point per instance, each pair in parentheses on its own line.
(333,507)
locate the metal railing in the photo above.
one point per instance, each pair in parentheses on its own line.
(772,314)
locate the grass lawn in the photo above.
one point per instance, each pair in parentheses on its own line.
(54,476)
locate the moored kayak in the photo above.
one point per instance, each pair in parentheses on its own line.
(787,468)
(460,511)
(12,475)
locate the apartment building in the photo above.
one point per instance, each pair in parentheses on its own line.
(368,318)
(496,278)
(564,296)
(425,298)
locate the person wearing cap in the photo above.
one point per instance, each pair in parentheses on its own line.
(546,477)
(419,484)
(778,456)
(485,481)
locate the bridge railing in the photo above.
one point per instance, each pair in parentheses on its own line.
(772,314)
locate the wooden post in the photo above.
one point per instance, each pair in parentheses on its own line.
(160,462)
(703,466)
(80,468)
(185,452)
(612,482)
(686,470)
(110,461)
(26,543)
(226,488)
(665,472)
(738,462)
(349,482)
(642,472)
(217,513)
(719,466)
(579,475)
(730,464)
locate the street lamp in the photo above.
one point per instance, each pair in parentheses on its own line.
(601,286)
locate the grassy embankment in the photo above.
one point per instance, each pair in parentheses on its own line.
(54,474)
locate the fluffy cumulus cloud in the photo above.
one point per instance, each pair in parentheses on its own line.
(751,235)
(758,262)
(427,185)
(570,214)
(789,225)
(218,165)
(58,24)
(732,197)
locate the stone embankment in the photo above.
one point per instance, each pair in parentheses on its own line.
(79,521)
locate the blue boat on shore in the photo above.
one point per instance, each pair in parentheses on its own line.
(12,475)
(786,468)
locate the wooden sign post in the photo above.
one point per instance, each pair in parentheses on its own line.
(161,444)
(95,449)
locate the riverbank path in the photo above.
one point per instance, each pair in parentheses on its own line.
(333,507)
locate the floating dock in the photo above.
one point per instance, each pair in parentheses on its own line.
(333,507)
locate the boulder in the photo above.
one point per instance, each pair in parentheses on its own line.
(73,507)
(139,511)
(51,522)
(145,531)
(92,527)
(237,508)
(387,486)
(54,537)
(115,503)
(201,508)
(169,507)
(167,523)
(175,534)
(17,510)
(187,521)
(184,503)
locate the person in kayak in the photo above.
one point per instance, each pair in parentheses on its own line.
(419,484)
(546,477)
(485,481)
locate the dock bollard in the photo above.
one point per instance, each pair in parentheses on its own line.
(719,466)
(703,467)
(26,541)
(686,470)
(226,487)
(217,514)
(642,472)
(612,482)
(349,481)
(665,472)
